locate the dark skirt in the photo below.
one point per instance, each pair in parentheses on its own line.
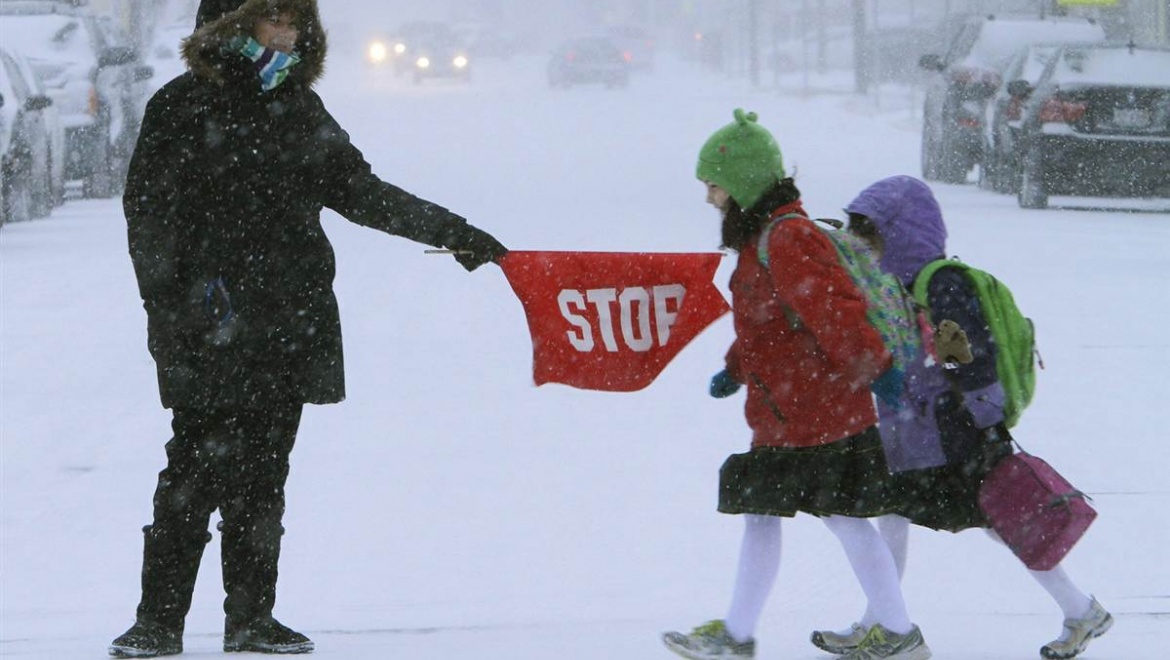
(847,477)
(947,497)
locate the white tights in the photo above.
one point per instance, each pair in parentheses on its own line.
(868,553)
(1073,602)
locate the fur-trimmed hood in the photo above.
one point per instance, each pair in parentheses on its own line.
(220,22)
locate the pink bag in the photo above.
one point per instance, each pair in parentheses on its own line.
(1034,510)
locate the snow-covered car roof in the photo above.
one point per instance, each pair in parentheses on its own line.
(1001,37)
(1114,65)
(50,36)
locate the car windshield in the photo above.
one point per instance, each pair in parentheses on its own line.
(1000,38)
(1035,62)
(1114,66)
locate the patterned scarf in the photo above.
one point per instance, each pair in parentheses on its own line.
(273,66)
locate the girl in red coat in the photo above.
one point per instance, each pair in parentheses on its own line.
(808,359)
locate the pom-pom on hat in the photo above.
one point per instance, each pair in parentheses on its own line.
(743,159)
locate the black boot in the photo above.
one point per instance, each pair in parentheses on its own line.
(170,563)
(250,554)
(147,640)
(264,636)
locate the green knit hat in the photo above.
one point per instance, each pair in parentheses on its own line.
(743,159)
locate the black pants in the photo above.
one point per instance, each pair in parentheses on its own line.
(234,460)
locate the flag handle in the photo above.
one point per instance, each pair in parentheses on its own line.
(444,251)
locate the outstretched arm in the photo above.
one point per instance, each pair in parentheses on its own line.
(357,194)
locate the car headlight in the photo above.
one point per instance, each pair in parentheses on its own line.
(377,52)
(399,48)
(422,62)
(460,61)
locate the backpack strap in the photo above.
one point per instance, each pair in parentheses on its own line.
(762,245)
(921,289)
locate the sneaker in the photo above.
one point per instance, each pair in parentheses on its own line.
(147,640)
(839,643)
(881,643)
(265,636)
(1078,633)
(709,641)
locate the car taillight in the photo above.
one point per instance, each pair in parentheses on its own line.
(1056,110)
(970,115)
(572,57)
(971,77)
(93,103)
(628,56)
(1015,109)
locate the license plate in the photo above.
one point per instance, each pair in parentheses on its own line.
(1131,118)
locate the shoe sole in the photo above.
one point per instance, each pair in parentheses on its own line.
(691,655)
(819,642)
(131,652)
(287,649)
(1093,634)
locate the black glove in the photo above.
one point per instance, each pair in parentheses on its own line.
(477,248)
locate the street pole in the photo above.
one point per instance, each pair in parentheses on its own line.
(754,41)
(860,67)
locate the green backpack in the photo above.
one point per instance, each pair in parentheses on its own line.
(889,308)
(1014,335)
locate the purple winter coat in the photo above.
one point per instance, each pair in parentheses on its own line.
(945,410)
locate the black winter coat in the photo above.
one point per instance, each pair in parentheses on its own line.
(223,204)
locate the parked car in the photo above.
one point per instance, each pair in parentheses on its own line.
(35,150)
(588,61)
(16,169)
(968,75)
(96,81)
(1097,124)
(999,170)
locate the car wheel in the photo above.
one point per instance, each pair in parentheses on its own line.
(1032,194)
(987,174)
(56,185)
(41,195)
(17,203)
(951,165)
(1009,178)
(99,183)
(929,153)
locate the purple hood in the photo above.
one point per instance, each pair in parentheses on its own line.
(909,220)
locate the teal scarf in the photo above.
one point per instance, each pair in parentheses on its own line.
(272,66)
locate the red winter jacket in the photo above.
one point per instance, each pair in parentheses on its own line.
(802,344)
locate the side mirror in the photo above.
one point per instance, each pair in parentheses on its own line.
(1019,88)
(1,100)
(37,103)
(116,56)
(144,72)
(931,63)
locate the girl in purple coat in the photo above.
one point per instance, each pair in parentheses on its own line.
(949,429)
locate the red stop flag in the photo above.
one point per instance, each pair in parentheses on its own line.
(612,320)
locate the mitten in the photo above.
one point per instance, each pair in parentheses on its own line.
(889,386)
(985,405)
(723,385)
(477,248)
(951,344)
